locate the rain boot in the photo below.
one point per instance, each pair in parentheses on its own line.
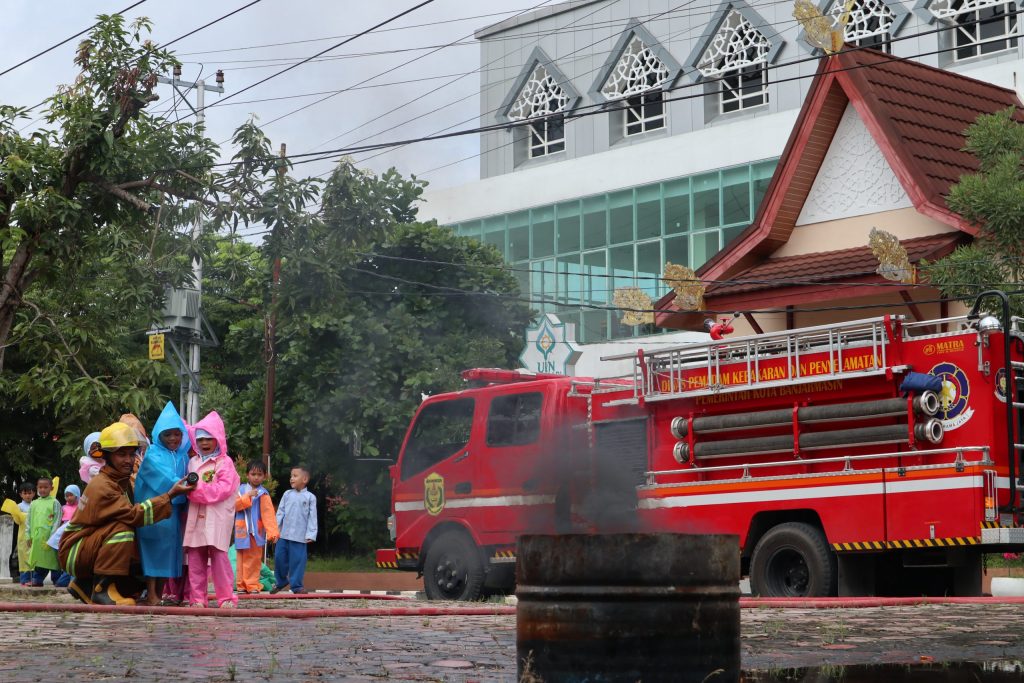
(106,593)
(81,589)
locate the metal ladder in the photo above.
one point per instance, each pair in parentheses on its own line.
(671,367)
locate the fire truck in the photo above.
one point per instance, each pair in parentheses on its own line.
(871,457)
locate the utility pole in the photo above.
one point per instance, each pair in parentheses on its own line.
(270,351)
(190,407)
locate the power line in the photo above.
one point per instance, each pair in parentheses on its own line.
(66,40)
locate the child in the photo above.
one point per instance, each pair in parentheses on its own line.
(43,519)
(211,513)
(71,495)
(20,513)
(92,462)
(166,462)
(255,526)
(296,518)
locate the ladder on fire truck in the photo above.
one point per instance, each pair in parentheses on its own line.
(669,373)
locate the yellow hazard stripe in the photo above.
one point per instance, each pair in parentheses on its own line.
(990,525)
(504,553)
(147,513)
(910,543)
(387,565)
(73,557)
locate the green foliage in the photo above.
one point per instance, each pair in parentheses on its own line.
(993,198)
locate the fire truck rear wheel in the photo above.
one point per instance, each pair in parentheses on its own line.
(793,560)
(453,569)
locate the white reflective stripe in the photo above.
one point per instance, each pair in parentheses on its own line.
(509,501)
(910,486)
(499,500)
(949,484)
(762,496)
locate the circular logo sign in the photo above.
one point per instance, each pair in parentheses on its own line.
(954,396)
(1001,384)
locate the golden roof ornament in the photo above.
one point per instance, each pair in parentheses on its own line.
(636,306)
(893,262)
(687,286)
(821,31)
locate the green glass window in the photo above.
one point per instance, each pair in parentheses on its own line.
(596,282)
(522,273)
(620,263)
(620,216)
(494,233)
(761,175)
(470,229)
(519,236)
(729,234)
(543,228)
(595,226)
(677,206)
(595,326)
(705,245)
(568,227)
(736,195)
(677,250)
(649,267)
(570,279)
(705,201)
(648,212)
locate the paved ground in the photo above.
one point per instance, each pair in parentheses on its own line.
(65,646)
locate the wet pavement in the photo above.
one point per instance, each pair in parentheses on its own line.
(778,644)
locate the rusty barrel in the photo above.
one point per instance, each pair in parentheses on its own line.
(628,607)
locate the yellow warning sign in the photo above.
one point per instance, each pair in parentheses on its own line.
(156,347)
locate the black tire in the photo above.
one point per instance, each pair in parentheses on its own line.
(793,560)
(453,569)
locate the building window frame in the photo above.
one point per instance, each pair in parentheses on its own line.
(737,56)
(972,19)
(869,24)
(539,107)
(743,88)
(636,82)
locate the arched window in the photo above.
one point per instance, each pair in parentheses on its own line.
(542,98)
(869,24)
(738,56)
(636,78)
(982,26)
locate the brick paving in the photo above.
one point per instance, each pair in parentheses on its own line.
(461,649)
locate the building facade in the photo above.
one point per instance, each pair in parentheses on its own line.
(655,128)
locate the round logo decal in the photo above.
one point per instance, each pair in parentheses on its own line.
(1001,384)
(954,396)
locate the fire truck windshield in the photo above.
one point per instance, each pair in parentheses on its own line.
(442,429)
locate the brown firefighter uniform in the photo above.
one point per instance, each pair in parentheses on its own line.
(100,540)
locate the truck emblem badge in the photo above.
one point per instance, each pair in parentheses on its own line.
(954,396)
(433,493)
(1001,384)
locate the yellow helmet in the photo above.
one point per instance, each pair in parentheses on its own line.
(117,436)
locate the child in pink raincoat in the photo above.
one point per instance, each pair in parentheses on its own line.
(211,514)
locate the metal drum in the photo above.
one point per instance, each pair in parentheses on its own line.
(628,607)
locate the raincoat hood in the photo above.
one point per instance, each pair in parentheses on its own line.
(170,419)
(73,489)
(215,426)
(90,440)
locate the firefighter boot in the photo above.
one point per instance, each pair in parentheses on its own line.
(106,593)
(81,589)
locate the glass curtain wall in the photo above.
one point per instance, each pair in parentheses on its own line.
(570,257)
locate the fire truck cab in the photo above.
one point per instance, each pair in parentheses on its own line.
(872,457)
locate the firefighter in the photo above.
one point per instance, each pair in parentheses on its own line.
(98,547)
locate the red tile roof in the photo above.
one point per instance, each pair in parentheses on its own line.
(925,112)
(825,266)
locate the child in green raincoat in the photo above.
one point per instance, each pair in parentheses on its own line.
(43,519)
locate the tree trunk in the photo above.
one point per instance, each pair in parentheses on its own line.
(11,290)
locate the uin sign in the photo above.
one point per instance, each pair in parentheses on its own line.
(550,346)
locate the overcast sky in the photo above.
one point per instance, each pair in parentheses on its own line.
(240,45)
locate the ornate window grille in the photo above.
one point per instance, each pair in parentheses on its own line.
(635,79)
(869,25)
(541,96)
(982,26)
(738,56)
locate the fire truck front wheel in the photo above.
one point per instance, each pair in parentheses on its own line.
(453,569)
(793,560)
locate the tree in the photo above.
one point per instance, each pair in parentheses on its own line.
(992,198)
(371,317)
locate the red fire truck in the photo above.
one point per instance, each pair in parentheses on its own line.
(873,457)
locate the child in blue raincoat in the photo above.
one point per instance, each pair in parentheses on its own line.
(165,462)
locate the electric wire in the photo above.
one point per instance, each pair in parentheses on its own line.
(66,40)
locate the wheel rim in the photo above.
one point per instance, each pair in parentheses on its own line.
(787,574)
(450,576)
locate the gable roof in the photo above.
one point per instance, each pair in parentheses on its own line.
(917,115)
